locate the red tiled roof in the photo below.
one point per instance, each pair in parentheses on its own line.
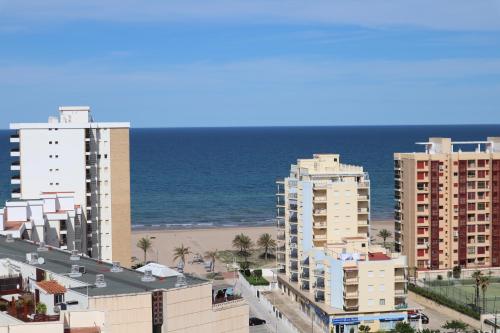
(51,287)
(378,256)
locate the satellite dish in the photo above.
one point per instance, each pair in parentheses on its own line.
(41,261)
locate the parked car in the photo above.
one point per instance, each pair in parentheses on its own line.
(254,321)
(415,316)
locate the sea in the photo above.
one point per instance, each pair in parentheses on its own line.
(211,177)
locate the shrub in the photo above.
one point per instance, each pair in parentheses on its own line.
(256,280)
(41,308)
(257,272)
(440,277)
(443,300)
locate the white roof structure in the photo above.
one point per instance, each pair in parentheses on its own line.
(159,270)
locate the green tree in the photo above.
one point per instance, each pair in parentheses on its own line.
(484,283)
(145,245)
(457,272)
(181,253)
(428,330)
(212,255)
(266,242)
(456,326)
(364,328)
(41,308)
(244,244)
(402,327)
(477,275)
(384,234)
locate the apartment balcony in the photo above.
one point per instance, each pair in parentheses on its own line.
(15,166)
(351,294)
(362,198)
(365,184)
(363,210)
(293,217)
(293,230)
(319,199)
(294,254)
(280,223)
(281,249)
(293,207)
(293,240)
(305,274)
(319,225)
(319,212)
(15,180)
(400,293)
(294,277)
(423,246)
(319,272)
(280,201)
(400,278)
(319,296)
(280,212)
(363,222)
(351,306)
(292,196)
(15,152)
(319,237)
(16,193)
(319,285)
(14,138)
(294,267)
(281,236)
(304,286)
(351,280)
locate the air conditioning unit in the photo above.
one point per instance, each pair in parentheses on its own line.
(148,276)
(116,267)
(99,281)
(75,271)
(74,255)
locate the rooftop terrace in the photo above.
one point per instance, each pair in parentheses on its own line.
(57,261)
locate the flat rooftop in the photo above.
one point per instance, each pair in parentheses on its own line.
(57,261)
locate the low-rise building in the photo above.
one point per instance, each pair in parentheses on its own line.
(327,263)
(81,294)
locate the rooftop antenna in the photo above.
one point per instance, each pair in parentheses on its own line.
(9,239)
(181,281)
(148,276)
(75,271)
(42,247)
(116,267)
(74,255)
(99,281)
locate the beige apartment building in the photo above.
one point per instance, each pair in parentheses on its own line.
(73,154)
(447,210)
(326,261)
(82,294)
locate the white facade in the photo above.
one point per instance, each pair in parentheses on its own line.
(69,153)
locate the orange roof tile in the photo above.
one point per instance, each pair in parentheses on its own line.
(378,256)
(51,287)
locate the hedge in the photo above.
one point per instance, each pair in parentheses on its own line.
(443,300)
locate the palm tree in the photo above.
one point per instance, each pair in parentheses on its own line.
(364,328)
(212,255)
(181,253)
(456,326)
(145,245)
(484,282)
(266,242)
(244,244)
(384,234)
(477,279)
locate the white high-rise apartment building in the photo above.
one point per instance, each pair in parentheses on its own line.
(90,161)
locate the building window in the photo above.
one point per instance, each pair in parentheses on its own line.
(370,302)
(381,273)
(50,142)
(58,298)
(370,273)
(370,288)
(381,287)
(381,301)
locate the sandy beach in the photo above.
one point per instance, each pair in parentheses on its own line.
(202,240)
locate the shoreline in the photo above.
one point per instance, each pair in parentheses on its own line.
(141,228)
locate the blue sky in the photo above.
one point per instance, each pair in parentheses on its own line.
(252,63)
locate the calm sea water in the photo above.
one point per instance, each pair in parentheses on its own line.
(225,176)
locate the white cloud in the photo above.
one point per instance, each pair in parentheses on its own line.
(432,14)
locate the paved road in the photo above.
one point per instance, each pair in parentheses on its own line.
(436,319)
(256,310)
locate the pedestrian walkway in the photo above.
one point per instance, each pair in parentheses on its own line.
(292,311)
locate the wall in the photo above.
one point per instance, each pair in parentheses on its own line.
(376,280)
(68,169)
(120,196)
(124,313)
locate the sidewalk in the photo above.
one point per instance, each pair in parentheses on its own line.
(292,311)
